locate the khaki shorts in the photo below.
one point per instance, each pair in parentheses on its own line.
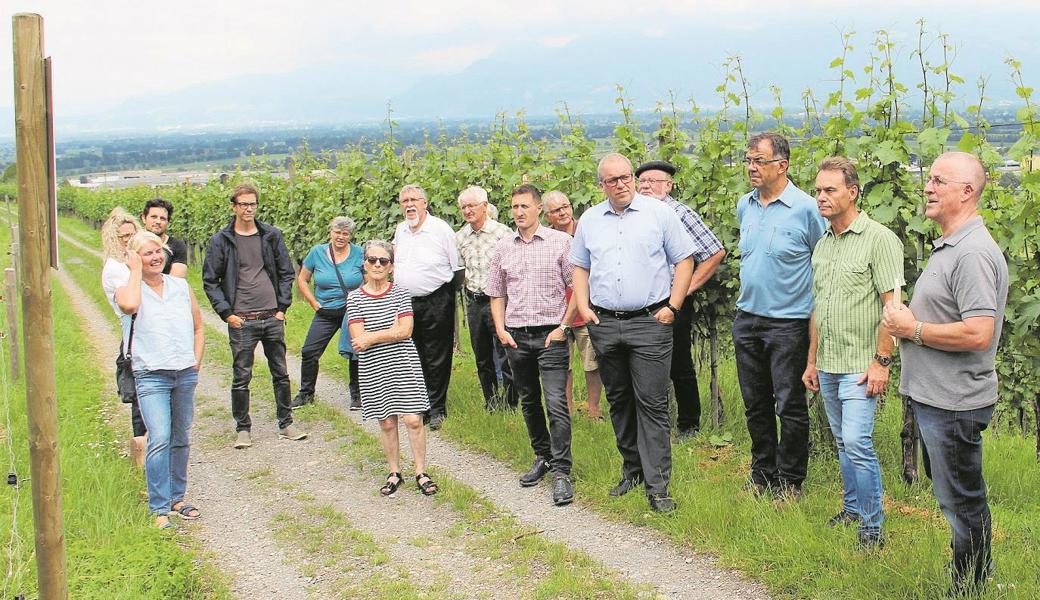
(580,336)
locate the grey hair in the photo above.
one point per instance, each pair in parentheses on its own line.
(142,237)
(412,186)
(379,244)
(554,195)
(613,156)
(475,192)
(492,212)
(342,224)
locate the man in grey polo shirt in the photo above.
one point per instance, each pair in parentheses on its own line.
(949,338)
(856,266)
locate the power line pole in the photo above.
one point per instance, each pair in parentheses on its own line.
(35,189)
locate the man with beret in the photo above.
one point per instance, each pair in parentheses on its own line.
(655,180)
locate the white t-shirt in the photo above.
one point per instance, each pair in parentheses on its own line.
(114,275)
(426,259)
(164,333)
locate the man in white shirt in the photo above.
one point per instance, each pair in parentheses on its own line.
(427,267)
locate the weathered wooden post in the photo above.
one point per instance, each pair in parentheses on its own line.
(35,185)
(12,322)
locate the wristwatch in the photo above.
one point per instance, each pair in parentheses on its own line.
(884,361)
(564,328)
(917,333)
(675,311)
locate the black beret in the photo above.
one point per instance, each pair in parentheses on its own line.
(656,165)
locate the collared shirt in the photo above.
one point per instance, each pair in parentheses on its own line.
(707,244)
(776,244)
(850,272)
(426,259)
(533,277)
(476,249)
(965,277)
(164,332)
(629,256)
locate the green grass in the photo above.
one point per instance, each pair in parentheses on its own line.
(790,549)
(112,548)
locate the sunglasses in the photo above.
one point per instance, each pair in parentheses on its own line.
(372,260)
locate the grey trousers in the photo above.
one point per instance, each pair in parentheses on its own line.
(635,357)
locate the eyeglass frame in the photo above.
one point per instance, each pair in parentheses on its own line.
(612,181)
(373,260)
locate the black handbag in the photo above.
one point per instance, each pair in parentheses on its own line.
(125,383)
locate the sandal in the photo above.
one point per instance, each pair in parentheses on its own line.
(428,488)
(391,487)
(163,522)
(187,511)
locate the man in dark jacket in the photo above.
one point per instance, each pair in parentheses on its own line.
(248,279)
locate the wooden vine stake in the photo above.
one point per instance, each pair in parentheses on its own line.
(35,193)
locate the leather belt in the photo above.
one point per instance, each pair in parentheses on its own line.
(539,329)
(477,296)
(257,315)
(624,315)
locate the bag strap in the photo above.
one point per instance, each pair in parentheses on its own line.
(130,342)
(335,267)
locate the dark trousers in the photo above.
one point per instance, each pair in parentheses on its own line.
(434,334)
(953,441)
(324,325)
(634,357)
(485,346)
(529,360)
(271,333)
(683,374)
(137,420)
(771,357)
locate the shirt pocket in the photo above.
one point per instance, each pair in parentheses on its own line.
(786,243)
(855,277)
(748,241)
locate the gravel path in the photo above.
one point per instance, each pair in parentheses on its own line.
(235,530)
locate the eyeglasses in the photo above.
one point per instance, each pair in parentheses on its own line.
(935,180)
(652,181)
(247,205)
(559,210)
(625,179)
(374,260)
(759,161)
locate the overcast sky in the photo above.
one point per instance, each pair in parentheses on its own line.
(108,50)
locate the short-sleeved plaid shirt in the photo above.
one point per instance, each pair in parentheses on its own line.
(707,244)
(532,276)
(476,249)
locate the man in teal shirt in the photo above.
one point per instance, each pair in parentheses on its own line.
(779,227)
(856,266)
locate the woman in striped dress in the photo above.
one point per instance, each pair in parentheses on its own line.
(391,379)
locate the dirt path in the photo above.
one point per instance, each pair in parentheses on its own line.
(252,499)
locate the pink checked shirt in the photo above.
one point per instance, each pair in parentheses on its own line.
(532,276)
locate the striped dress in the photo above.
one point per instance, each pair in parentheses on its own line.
(390,375)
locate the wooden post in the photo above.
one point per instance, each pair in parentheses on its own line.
(12,322)
(34,182)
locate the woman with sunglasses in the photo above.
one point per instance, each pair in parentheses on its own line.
(335,269)
(392,386)
(115,233)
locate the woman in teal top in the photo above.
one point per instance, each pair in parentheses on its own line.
(329,301)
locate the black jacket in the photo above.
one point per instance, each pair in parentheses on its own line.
(220,268)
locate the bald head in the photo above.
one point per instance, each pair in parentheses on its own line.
(965,167)
(613,159)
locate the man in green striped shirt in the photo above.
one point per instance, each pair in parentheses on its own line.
(857,266)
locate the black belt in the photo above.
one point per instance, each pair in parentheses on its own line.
(477,296)
(257,315)
(624,315)
(539,329)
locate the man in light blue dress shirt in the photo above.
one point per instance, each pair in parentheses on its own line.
(622,253)
(779,227)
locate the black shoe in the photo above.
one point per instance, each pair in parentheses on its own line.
(436,421)
(843,518)
(870,539)
(661,503)
(539,468)
(625,486)
(686,434)
(355,401)
(756,489)
(563,489)
(301,399)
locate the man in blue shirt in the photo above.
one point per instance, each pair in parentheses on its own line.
(779,227)
(622,254)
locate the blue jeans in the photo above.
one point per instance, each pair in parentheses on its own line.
(851,415)
(167,400)
(953,440)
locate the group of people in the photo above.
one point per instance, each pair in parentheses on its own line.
(819,308)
